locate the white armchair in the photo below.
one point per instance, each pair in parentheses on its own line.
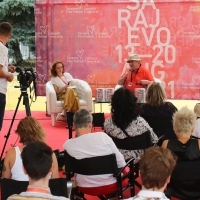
(54,106)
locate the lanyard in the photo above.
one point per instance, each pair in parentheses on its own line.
(135,73)
(63,80)
(37,189)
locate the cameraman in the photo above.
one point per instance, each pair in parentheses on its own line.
(5,75)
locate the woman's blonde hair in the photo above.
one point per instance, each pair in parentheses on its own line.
(155,95)
(184,121)
(30,130)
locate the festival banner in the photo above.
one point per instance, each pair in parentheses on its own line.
(94,38)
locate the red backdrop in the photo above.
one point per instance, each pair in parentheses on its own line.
(94,38)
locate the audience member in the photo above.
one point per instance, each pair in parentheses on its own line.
(136,76)
(61,82)
(29,130)
(156,166)
(186,149)
(158,112)
(37,164)
(88,144)
(196,132)
(125,121)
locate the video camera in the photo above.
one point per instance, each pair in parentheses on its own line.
(26,76)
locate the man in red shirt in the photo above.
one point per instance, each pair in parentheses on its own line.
(136,76)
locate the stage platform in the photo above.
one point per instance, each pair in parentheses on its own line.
(39,105)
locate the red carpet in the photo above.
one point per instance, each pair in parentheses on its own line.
(55,136)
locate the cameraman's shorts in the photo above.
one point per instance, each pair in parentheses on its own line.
(2,107)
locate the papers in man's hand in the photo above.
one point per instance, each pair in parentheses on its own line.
(72,86)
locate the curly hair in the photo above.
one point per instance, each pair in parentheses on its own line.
(53,68)
(30,130)
(155,95)
(184,121)
(124,108)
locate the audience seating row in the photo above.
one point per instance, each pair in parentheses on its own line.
(101,165)
(184,183)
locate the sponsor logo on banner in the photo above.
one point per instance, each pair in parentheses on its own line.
(39,59)
(91,32)
(41,78)
(92,10)
(91,78)
(76,59)
(80,58)
(55,35)
(194,33)
(79,8)
(42,33)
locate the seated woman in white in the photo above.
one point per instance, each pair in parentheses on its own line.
(61,81)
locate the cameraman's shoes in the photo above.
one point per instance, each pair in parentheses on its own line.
(60,117)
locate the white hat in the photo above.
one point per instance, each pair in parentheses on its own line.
(133,57)
(197,109)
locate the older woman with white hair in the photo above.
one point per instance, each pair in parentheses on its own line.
(185,148)
(196,132)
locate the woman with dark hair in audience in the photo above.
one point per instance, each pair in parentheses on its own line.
(185,148)
(29,130)
(125,121)
(158,112)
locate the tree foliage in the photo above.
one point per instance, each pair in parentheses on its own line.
(20,13)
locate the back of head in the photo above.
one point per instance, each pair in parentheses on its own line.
(156,165)
(30,130)
(197,109)
(184,121)
(155,95)
(123,107)
(37,160)
(5,28)
(82,118)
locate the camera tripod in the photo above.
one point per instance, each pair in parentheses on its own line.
(23,95)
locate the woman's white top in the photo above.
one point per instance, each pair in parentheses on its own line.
(17,172)
(59,82)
